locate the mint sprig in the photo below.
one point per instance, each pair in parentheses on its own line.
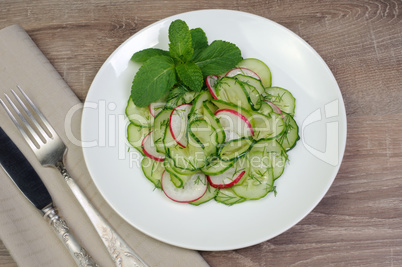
(144,55)
(189,60)
(199,41)
(191,75)
(216,58)
(156,71)
(180,43)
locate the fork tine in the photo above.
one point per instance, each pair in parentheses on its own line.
(40,114)
(22,131)
(24,121)
(35,122)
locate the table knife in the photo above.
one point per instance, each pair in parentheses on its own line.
(30,184)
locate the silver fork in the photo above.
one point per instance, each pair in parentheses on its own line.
(50,153)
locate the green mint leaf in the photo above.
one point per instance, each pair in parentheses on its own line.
(180,44)
(218,57)
(153,80)
(191,75)
(199,41)
(144,55)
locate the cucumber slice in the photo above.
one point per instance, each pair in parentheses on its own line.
(197,108)
(189,97)
(211,106)
(235,148)
(265,108)
(228,197)
(178,96)
(214,122)
(290,134)
(217,166)
(278,162)
(260,180)
(161,122)
(276,153)
(209,194)
(177,170)
(230,90)
(232,176)
(192,157)
(168,140)
(253,96)
(282,98)
(205,135)
(259,67)
(268,126)
(140,116)
(268,146)
(177,178)
(256,83)
(153,170)
(135,136)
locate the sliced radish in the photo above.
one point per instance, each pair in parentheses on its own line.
(149,148)
(274,107)
(211,82)
(155,108)
(178,124)
(233,121)
(227,179)
(244,71)
(193,190)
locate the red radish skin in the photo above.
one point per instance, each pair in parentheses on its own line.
(149,149)
(153,106)
(211,81)
(244,71)
(174,118)
(151,110)
(222,185)
(239,115)
(274,107)
(183,195)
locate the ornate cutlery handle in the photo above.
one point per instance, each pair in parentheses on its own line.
(121,253)
(79,254)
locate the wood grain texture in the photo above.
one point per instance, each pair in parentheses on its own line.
(359,221)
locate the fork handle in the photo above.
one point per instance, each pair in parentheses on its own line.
(62,230)
(120,252)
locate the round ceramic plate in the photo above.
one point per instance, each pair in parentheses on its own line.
(314,162)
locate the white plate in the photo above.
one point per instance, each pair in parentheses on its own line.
(314,162)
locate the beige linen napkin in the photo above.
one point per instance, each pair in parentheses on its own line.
(27,236)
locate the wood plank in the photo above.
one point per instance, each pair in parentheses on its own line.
(5,258)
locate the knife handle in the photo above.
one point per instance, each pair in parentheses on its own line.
(120,252)
(62,230)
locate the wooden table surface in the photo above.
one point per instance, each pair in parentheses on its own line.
(359,221)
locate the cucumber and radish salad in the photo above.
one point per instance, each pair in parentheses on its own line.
(209,122)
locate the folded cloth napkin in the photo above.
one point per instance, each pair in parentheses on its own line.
(29,239)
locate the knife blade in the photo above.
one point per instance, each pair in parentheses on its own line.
(24,176)
(22,173)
